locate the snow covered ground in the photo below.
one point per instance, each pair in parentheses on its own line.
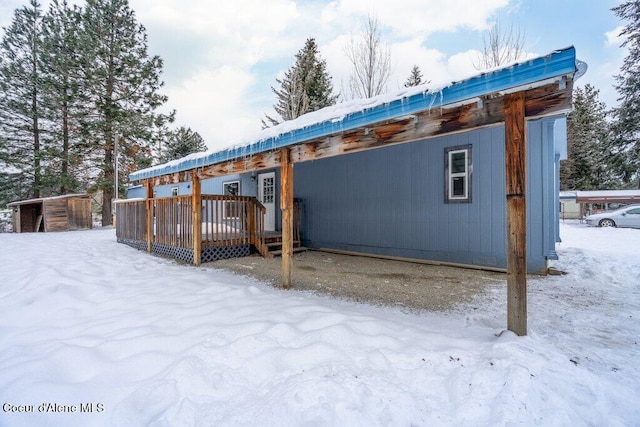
(145,341)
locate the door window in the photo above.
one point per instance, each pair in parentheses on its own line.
(268,189)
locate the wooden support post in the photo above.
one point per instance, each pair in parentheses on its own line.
(196,214)
(149,186)
(286,205)
(516,173)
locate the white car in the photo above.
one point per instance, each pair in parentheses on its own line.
(629,216)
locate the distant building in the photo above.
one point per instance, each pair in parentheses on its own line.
(61,213)
(569,208)
(578,204)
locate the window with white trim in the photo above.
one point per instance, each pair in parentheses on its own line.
(458,168)
(231,188)
(174,191)
(231,209)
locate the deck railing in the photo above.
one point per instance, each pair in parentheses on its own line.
(232,220)
(230,225)
(173,222)
(131,220)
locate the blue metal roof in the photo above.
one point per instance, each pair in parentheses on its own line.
(553,65)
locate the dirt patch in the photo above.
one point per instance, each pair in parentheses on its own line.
(372,280)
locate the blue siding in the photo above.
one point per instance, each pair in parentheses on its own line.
(248,186)
(136,192)
(391,200)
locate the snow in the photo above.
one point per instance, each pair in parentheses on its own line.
(336,114)
(88,320)
(608,193)
(40,199)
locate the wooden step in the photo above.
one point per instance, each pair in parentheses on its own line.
(295,251)
(296,243)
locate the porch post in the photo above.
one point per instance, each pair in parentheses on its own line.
(196,213)
(516,173)
(286,205)
(149,204)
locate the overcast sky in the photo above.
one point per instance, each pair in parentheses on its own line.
(221,57)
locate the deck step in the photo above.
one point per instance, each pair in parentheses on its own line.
(295,251)
(276,244)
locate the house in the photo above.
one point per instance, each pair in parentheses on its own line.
(605,199)
(401,201)
(569,208)
(578,204)
(61,213)
(464,175)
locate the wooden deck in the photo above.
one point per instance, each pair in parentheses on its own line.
(230,226)
(211,227)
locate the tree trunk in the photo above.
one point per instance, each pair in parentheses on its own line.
(107,185)
(37,173)
(64,187)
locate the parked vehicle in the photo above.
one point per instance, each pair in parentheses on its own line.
(629,216)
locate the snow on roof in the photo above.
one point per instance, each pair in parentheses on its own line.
(608,196)
(362,112)
(41,199)
(133,199)
(608,193)
(567,194)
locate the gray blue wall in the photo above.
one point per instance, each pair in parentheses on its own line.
(391,201)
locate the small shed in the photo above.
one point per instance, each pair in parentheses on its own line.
(61,213)
(569,208)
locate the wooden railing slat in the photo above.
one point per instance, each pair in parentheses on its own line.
(225,221)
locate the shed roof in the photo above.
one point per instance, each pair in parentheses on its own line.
(608,196)
(360,113)
(567,195)
(43,199)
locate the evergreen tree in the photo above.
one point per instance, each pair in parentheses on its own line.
(62,98)
(306,86)
(182,142)
(415,78)
(586,165)
(21,153)
(626,143)
(122,83)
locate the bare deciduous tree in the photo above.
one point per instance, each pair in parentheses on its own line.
(500,46)
(371,60)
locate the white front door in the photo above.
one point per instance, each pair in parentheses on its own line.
(267,196)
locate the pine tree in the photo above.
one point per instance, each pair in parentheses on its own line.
(122,83)
(62,97)
(626,142)
(586,166)
(306,86)
(182,142)
(415,78)
(21,139)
